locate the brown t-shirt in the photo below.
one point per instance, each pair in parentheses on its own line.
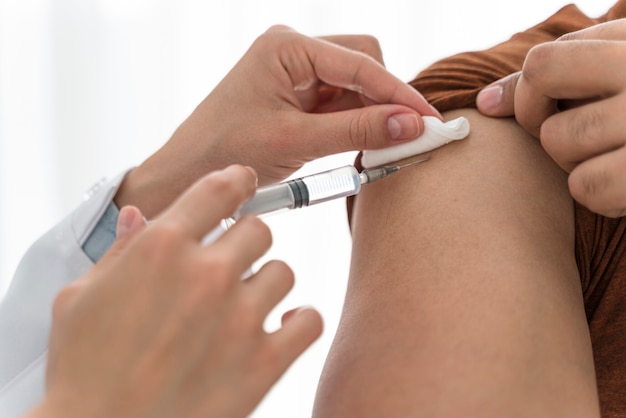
(453,83)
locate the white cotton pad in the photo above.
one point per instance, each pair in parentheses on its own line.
(436,133)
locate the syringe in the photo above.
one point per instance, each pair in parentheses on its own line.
(314,189)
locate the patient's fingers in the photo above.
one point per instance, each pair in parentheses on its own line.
(547,77)
(497,99)
(584,132)
(600,183)
(596,54)
(614,30)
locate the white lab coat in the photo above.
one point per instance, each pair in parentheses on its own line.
(52,262)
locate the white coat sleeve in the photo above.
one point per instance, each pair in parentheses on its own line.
(52,262)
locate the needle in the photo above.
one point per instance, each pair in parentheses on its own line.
(370,175)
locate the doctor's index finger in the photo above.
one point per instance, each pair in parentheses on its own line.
(212,198)
(363,43)
(356,71)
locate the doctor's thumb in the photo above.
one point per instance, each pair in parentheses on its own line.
(129,221)
(497,99)
(369,127)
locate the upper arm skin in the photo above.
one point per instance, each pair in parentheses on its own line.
(464,297)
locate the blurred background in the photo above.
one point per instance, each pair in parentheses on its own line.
(91,87)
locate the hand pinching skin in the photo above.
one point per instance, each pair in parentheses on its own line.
(579,116)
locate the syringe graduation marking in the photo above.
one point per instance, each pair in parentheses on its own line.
(325,186)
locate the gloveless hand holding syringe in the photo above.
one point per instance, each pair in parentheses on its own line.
(347,181)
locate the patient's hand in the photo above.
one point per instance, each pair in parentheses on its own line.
(571,94)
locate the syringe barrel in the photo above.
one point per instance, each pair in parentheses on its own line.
(268,199)
(305,191)
(332,184)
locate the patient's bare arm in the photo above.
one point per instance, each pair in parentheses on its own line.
(464,297)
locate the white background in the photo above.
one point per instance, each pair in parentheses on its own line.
(88,88)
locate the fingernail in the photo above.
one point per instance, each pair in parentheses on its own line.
(293,312)
(403,126)
(254,173)
(490,97)
(125,220)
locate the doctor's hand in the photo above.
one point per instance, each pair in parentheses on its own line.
(289,100)
(571,94)
(163,326)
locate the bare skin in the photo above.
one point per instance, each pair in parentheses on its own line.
(464,297)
